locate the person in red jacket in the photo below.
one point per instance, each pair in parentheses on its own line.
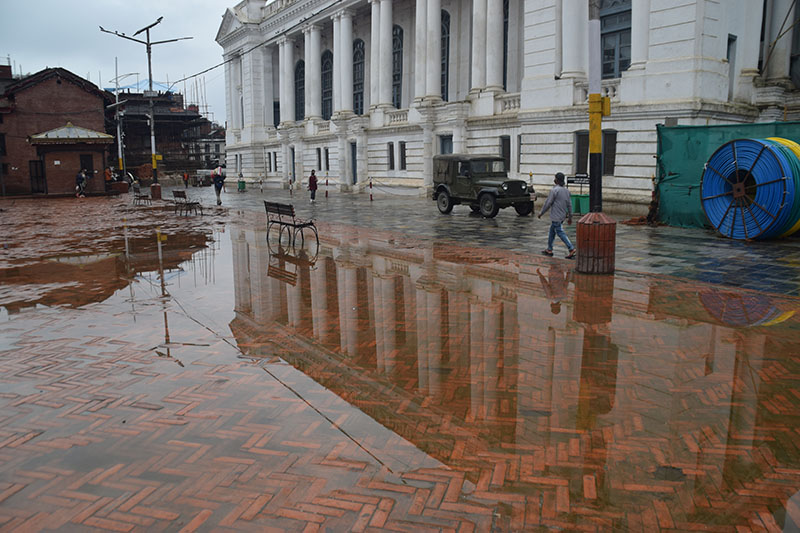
(312,186)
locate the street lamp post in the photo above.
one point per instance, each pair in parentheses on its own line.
(156,194)
(118,116)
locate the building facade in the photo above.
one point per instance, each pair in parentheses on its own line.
(371,90)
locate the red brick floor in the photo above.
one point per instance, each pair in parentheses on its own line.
(395,384)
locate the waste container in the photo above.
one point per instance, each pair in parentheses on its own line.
(240,185)
(580,203)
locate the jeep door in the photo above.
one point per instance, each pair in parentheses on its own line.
(462,183)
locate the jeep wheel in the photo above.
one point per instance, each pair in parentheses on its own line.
(524,209)
(444,202)
(488,205)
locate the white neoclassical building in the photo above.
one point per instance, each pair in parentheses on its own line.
(364,90)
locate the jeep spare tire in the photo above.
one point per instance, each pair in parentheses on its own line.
(524,208)
(444,202)
(488,205)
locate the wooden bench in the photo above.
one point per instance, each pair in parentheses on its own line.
(139,197)
(183,204)
(283,215)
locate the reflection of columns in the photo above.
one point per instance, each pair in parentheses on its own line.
(476,361)
(640,33)
(420,48)
(345,62)
(385,323)
(781,54)
(337,60)
(429,348)
(494,45)
(374,54)
(574,28)
(319,301)
(295,310)
(433,60)
(478,44)
(385,61)
(348,308)
(313,71)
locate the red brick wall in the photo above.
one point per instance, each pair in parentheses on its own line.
(42,107)
(61,177)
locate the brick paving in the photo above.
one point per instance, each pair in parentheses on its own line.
(415,377)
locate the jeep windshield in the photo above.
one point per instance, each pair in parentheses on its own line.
(487,167)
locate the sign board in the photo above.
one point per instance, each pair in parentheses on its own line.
(578,179)
(149,94)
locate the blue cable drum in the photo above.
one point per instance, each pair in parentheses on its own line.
(793,203)
(745,188)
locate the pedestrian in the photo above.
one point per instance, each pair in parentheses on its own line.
(80,183)
(555,288)
(186,179)
(560,206)
(312,186)
(107,176)
(219,182)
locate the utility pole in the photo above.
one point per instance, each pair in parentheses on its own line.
(118,116)
(596,232)
(155,189)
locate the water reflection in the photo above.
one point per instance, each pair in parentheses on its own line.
(628,395)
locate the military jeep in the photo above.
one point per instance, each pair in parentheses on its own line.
(479,181)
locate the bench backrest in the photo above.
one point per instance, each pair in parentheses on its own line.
(136,189)
(275,208)
(179,195)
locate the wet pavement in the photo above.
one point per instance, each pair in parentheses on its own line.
(412,372)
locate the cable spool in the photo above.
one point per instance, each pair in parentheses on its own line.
(795,149)
(748,189)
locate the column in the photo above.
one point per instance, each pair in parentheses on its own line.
(385,60)
(747,53)
(433,59)
(337,59)
(282,85)
(777,66)
(313,59)
(640,33)
(287,78)
(494,45)
(420,48)
(345,63)
(478,44)
(574,28)
(269,97)
(374,54)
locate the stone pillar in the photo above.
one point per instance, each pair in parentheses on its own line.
(574,47)
(287,73)
(420,48)
(779,57)
(337,60)
(494,45)
(478,44)
(427,155)
(747,53)
(433,59)
(313,86)
(269,96)
(374,54)
(282,85)
(385,61)
(640,34)
(345,62)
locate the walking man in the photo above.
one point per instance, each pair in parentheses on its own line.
(219,182)
(560,206)
(312,186)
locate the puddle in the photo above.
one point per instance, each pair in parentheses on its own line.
(585,401)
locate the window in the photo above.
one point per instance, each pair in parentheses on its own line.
(609,149)
(397,66)
(505,45)
(390,154)
(299,90)
(216,148)
(327,160)
(445,54)
(327,85)
(358,77)
(402,155)
(276,113)
(505,151)
(268,161)
(5,169)
(615,36)
(445,144)
(275,159)
(731,64)
(519,153)
(3,144)
(319,158)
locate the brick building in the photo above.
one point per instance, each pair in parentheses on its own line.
(40,103)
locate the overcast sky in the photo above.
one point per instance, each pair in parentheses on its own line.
(38,34)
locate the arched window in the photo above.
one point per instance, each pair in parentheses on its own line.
(327,84)
(397,66)
(505,45)
(299,90)
(445,54)
(358,77)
